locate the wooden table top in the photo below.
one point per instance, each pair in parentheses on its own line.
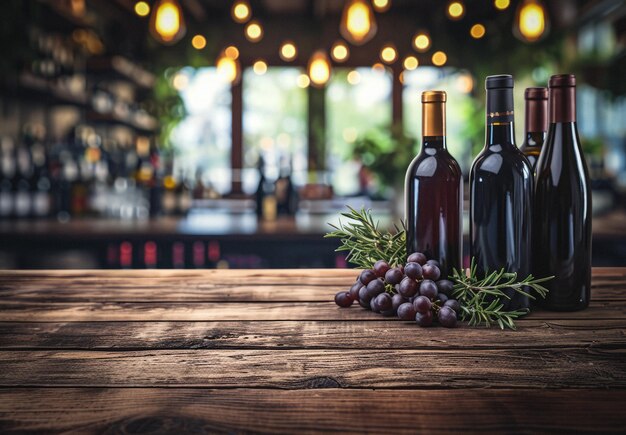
(268,351)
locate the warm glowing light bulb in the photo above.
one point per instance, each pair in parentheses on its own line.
(339,52)
(180,81)
(531,21)
(254,31)
(421,42)
(358,24)
(465,83)
(439,58)
(303,81)
(232,52)
(259,67)
(388,54)
(228,69)
(198,42)
(167,24)
(477,31)
(378,67)
(381,5)
(142,9)
(288,51)
(501,4)
(319,68)
(410,63)
(354,77)
(241,11)
(456,10)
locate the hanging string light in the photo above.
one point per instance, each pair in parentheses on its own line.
(228,68)
(531,21)
(254,31)
(167,24)
(381,5)
(142,8)
(319,69)
(358,24)
(455,10)
(439,58)
(388,53)
(259,67)
(410,63)
(421,41)
(340,51)
(501,4)
(288,51)
(198,42)
(241,11)
(477,31)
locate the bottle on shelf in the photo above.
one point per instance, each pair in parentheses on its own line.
(501,194)
(535,123)
(7,173)
(434,191)
(286,195)
(562,225)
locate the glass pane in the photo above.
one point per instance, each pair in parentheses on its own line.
(357,102)
(274,123)
(202,140)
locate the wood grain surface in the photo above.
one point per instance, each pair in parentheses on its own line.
(268,351)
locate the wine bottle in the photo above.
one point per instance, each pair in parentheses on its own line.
(434,191)
(535,123)
(563,205)
(501,194)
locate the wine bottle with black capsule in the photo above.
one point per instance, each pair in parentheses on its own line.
(434,191)
(535,123)
(501,194)
(562,225)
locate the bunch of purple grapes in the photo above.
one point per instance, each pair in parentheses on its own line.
(411,292)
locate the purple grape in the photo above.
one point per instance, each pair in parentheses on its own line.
(383,302)
(373,306)
(447,317)
(394,276)
(397,300)
(413,270)
(363,304)
(445,286)
(442,298)
(422,304)
(364,296)
(388,313)
(408,287)
(417,257)
(424,319)
(431,272)
(429,289)
(381,267)
(367,276)
(375,287)
(343,299)
(406,311)
(434,263)
(354,290)
(454,304)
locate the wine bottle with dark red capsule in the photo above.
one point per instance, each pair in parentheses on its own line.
(562,225)
(434,191)
(501,194)
(535,123)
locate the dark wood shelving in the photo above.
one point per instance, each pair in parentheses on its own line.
(112,119)
(118,67)
(49,91)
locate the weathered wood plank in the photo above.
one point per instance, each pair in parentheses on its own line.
(158,410)
(223,311)
(380,334)
(297,369)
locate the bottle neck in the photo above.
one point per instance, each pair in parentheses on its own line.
(500,133)
(536,118)
(433,119)
(433,143)
(562,104)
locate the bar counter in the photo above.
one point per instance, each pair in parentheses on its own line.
(268,351)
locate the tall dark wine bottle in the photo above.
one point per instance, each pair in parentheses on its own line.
(562,226)
(501,194)
(434,191)
(535,123)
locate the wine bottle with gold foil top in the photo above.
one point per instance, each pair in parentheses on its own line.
(434,191)
(535,123)
(501,194)
(562,225)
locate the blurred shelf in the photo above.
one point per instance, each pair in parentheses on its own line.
(30,85)
(120,68)
(150,126)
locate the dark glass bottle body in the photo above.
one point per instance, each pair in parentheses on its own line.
(501,198)
(562,227)
(535,123)
(434,195)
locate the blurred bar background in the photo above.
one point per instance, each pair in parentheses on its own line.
(226,134)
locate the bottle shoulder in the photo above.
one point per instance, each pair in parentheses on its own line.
(439,163)
(498,159)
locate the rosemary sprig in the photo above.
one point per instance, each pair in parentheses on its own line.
(366,243)
(481,298)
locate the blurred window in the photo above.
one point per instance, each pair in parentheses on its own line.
(357,101)
(202,140)
(274,123)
